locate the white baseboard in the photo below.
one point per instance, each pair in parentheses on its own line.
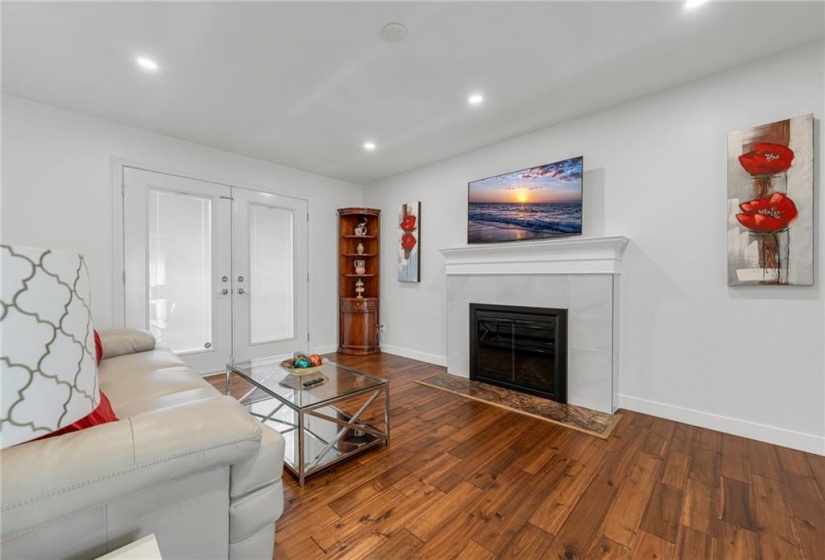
(787,438)
(325,349)
(415,355)
(389,349)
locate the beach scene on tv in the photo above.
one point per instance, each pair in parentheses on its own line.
(534,203)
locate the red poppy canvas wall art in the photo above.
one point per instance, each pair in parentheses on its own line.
(770,204)
(409,236)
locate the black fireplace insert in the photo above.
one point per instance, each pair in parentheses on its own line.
(521,348)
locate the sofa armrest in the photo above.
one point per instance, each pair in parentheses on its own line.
(49,479)
(126,341)
(263,469)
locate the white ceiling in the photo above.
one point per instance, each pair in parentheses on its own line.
(305,84)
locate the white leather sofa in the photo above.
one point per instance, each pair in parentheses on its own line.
(183,462)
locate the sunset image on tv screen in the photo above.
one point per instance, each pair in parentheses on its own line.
(534,203)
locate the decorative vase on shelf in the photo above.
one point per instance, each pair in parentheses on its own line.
(359,289)
(360,249)
(361,229)
(360,266)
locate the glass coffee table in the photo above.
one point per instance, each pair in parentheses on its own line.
(342,415)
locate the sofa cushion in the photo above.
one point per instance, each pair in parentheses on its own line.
(152,384)
(131,365)
(156,402)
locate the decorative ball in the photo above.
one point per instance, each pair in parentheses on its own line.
(315,360)
(302,363)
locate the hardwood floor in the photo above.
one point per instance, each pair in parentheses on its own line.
(462,479)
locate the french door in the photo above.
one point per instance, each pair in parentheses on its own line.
(216,273)
(269,241)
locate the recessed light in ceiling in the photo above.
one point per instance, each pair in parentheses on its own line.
(393,33)
(690,4)
(147,63)
(369,146)
(475,99)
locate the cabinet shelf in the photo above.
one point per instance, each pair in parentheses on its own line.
(360,237)
(359,255)
(359,275)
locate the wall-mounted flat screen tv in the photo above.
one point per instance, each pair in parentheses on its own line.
(534,203)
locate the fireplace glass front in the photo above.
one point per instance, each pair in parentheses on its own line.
(521,348)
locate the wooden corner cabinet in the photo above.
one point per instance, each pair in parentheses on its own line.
(359,254)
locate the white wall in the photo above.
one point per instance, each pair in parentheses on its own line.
(744,360)
(57,193)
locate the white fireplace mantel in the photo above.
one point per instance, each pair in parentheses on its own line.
(585,255)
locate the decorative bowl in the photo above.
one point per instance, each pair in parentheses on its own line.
(292,370)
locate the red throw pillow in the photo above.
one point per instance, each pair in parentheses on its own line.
(101,415)
(98,348)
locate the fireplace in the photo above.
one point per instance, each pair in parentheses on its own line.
(521,348)
(577,274)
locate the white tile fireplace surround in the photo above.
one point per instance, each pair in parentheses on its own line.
(580,275)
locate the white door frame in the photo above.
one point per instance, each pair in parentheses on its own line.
(118,248)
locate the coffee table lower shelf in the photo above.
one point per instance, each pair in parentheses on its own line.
(325,420)
(324,435)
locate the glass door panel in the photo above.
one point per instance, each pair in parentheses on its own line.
(271,274)
(180,270)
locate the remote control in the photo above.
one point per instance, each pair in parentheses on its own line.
(312,382)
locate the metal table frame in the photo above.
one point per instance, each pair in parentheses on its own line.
(306,469)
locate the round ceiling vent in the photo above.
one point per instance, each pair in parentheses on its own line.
(393,33)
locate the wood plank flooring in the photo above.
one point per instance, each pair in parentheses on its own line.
(462,479)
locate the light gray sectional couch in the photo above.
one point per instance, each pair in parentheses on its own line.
(183,462)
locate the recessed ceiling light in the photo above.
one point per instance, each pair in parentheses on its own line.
(369,146)
(475,99)
(690,4)
(147,64)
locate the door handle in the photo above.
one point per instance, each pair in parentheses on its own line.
(224,292)
(241,291)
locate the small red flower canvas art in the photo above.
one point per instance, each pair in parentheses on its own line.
(770,204)
(409,235)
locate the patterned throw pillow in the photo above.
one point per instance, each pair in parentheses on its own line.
(47,366)
(101,415)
